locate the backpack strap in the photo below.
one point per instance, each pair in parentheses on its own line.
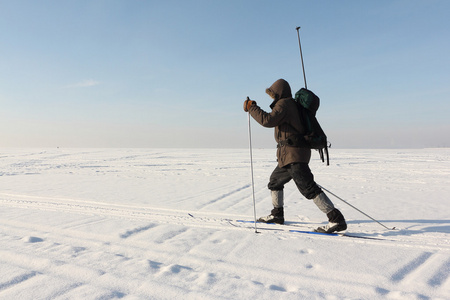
(321,154)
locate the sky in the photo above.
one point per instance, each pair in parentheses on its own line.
(164,74)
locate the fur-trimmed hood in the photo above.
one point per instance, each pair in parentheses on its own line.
(280,89)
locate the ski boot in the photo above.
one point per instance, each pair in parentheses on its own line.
(336,222)
(276,216)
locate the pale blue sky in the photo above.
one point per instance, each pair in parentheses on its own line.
(175,73)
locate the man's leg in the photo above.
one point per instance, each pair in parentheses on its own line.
(278,179)
(304,179)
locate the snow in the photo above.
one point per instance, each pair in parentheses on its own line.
(152,224)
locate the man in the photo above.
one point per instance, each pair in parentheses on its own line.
(292,161)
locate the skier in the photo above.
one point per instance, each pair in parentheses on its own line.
(292,161)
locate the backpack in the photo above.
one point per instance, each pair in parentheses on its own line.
(308,104)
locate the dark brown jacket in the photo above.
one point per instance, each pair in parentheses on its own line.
(286,120)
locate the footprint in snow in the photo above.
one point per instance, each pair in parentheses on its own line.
(154,265)
(174,269)
(206,279)
(32,239)
(277,288)
(306,251)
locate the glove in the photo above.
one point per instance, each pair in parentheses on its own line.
(248,103)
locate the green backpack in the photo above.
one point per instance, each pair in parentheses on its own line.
(308,104)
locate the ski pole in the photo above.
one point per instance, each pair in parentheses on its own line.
(301,56)
(356,208)
(251,168)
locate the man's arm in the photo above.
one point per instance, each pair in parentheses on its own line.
(272,119)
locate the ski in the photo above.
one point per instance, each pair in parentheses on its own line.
(315,232)
(290,227)
(293,224)
(285,227)
(338,234)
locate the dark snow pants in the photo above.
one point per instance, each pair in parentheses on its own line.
(303,178)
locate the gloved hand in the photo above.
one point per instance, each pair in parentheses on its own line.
(248,103)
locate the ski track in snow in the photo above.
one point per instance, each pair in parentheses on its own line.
(152,224)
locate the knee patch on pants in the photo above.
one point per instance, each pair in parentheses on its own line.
(323,203)
(277,198)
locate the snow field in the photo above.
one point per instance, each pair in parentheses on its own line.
(152,224)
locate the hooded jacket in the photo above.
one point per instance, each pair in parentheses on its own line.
(285,118)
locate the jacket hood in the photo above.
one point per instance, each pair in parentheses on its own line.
(280,89)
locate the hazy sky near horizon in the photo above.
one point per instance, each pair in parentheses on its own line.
(175,73)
